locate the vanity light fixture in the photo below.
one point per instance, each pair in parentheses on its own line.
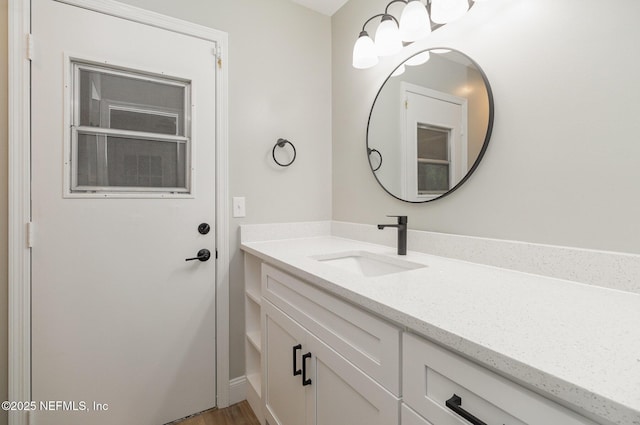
(445,11)
(364,52)
(415,24)
(387,39)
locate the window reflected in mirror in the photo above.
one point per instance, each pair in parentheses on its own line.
(433,160)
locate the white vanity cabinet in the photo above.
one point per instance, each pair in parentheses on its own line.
(315,359)
(306,379)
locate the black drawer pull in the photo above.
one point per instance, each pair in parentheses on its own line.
(305,381)
(455,404)
(296,371)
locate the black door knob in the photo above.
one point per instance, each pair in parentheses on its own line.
(203,255)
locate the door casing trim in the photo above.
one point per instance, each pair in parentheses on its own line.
(19,261)
(19,120)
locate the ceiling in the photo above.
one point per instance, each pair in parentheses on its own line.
(326,7)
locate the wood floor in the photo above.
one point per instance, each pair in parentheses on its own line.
(238,414)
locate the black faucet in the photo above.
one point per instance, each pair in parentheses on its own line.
(402,232)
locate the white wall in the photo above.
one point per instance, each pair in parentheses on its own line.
(279,86)
(563,164)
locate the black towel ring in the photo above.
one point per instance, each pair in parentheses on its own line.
(280,144)
(370,151)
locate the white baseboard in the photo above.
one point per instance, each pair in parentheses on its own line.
(237,390)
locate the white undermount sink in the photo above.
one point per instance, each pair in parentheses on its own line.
(367,264)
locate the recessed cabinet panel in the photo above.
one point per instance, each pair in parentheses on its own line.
(337,402)
(409,417)
(344,395)
(433,375)
(368,342)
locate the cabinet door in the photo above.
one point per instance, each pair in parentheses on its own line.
(409,417)
(284,396)
(341,394)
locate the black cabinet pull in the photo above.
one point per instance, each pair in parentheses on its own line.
(296,371)
(305,381)
(455,404)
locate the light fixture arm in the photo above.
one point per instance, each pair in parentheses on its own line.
(386,9)
(379,15)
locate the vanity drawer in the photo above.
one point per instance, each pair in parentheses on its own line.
(367,341)
(432,375)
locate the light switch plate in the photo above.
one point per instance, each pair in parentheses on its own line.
(239,206)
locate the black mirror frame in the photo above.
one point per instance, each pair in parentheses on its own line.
(485,144)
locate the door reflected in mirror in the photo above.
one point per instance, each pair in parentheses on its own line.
(429,126)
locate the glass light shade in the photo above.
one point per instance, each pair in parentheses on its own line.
(445,11)
(418,59)
(388,40)
(399,71)
(414,22)
(364,52)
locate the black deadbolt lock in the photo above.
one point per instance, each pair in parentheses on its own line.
(204,228)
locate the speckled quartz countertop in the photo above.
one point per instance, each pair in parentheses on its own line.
(577,344)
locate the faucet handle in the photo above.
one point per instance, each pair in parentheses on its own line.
(402,219)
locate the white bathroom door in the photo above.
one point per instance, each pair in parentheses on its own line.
(434,142)
(123,155)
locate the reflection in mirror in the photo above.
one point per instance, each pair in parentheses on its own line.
(431,124)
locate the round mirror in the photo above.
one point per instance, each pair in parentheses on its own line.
(429,125)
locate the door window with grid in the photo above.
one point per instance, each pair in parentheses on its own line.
(130,132)
(434,160)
